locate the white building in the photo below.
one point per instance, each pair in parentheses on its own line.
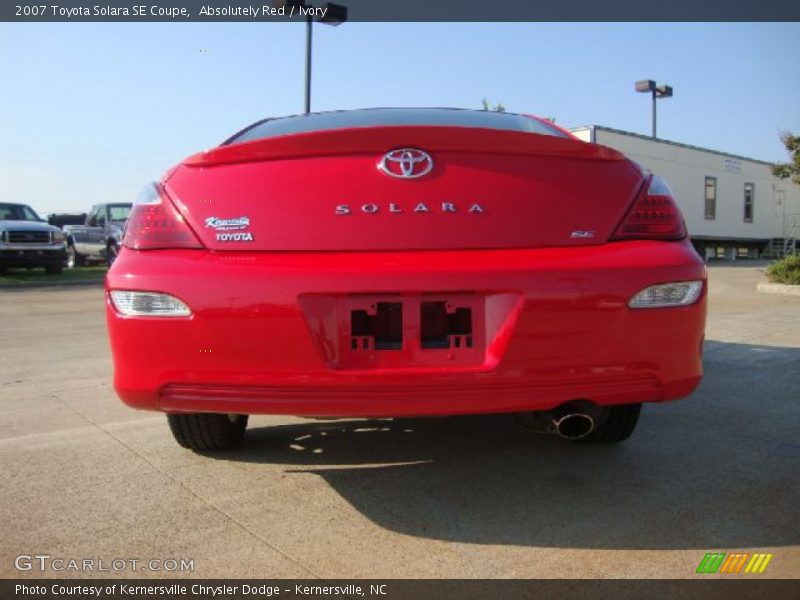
(733,205)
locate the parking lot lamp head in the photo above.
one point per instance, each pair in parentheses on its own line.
(648,86)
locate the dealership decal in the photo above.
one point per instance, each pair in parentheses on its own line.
(228,230)
(228,224)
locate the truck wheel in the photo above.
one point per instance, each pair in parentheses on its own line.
(207,431)
(111,253)
(617,426)
(73,258)
(54,269)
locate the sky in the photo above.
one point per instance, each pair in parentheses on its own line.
(90,112)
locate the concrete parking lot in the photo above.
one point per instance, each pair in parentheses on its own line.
(86,477)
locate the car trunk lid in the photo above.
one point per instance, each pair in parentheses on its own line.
(323,191)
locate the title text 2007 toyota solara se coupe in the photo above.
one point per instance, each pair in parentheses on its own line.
(405,262)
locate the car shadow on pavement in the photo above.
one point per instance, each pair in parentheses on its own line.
(715,471)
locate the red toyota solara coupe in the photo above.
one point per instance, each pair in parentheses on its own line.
(405,262)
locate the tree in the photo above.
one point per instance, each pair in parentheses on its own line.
(497,107)
(792,168)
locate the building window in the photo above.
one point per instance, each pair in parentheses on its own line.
(749,196)
(711,198)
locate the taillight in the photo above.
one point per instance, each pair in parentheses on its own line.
(680,293)
(148,304)
(154,222)
(653,216)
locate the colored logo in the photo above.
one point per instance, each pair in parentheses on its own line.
(734,563)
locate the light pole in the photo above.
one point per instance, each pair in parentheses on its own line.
(309,31)
(335,14)
(658,91)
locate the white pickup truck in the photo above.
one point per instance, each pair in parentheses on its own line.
(99,239)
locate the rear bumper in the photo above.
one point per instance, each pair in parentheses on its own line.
(555,327)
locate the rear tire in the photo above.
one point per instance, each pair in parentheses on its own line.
(207,431)
(617,426)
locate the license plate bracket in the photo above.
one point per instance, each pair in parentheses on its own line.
(411,330)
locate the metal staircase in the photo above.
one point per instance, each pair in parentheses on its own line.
(780,247)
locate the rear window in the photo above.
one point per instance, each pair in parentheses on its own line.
(381,117)
(119,212)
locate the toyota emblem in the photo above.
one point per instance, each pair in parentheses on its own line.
(406,163)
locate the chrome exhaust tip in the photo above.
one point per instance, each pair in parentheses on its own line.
(571,421)
(573,426)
